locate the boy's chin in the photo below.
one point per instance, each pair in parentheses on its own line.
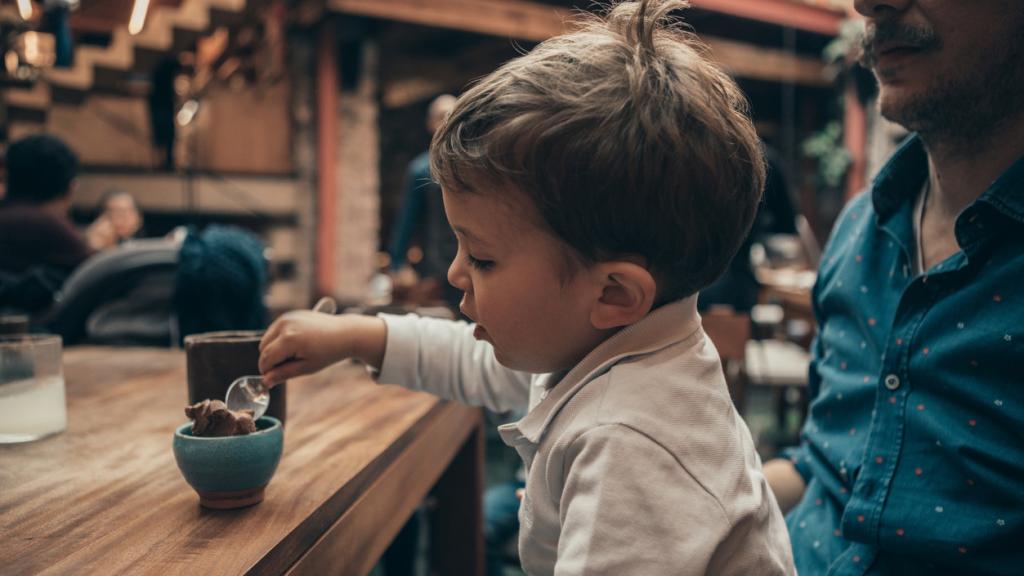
(529,365)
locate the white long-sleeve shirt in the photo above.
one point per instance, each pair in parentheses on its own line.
(637,462)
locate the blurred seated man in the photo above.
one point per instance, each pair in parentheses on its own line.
(39,245)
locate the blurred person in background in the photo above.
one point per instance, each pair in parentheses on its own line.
(423,210)
(912,459)
(119,220)
(39,244)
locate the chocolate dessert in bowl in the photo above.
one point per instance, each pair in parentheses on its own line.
(227,457)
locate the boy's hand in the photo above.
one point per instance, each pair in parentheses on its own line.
(303,342)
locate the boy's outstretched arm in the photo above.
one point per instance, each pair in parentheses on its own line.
(303,342)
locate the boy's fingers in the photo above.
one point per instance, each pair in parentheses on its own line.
(270,335)
(275,353)
(285,371)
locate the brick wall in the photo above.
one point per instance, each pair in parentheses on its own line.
(357,216)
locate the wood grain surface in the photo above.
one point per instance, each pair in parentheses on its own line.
(106,496)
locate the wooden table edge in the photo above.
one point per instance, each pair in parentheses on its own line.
(421,454)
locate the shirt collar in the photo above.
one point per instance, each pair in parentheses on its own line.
(670,324)
(903,175)
(900,179)
(1006,194)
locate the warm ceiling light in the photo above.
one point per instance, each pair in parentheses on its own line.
(138,18)
(25,9)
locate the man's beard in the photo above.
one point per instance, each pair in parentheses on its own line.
(958,110)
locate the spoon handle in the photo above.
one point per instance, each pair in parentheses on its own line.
(326,305)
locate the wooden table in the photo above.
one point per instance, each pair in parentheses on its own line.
(106,496)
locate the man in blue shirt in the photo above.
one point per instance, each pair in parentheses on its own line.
(912,459)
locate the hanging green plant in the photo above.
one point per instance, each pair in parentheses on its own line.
(826,148)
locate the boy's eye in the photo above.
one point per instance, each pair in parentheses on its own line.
(479,264)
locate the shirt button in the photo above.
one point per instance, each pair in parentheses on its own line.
(892,381)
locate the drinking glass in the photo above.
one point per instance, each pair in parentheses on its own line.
(32,403)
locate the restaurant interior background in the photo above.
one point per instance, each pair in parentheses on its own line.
(297,119)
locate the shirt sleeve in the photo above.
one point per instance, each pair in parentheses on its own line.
(629,507)
(443,358)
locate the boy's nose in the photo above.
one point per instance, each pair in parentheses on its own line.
(457,275)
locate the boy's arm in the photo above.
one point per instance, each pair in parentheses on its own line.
(303,342)
(443,358)
(628,507)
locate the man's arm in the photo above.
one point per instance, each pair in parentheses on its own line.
(787,484)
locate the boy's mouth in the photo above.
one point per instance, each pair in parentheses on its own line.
(480,333)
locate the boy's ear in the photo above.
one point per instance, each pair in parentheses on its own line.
(627,294)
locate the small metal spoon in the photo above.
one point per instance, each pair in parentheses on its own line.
(249,392)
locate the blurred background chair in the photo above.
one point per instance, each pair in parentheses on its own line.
(730,331)
(154,292)
(122,296)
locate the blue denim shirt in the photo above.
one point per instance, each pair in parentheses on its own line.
(913,451)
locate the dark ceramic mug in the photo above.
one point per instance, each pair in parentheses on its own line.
(216,359)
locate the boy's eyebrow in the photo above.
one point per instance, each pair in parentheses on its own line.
(462,231)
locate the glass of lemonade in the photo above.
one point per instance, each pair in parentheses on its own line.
(32,403)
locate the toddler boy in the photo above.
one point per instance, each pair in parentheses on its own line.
(594,185)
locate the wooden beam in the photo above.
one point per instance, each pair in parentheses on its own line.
(532,21)
(518,19)
(757,62)
(528,20)
(788,13)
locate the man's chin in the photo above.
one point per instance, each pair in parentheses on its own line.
(905,106)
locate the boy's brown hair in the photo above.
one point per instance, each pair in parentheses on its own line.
(626,139)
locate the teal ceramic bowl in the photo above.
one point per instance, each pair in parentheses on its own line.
(230,472)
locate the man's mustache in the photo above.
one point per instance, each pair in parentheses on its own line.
(895,34)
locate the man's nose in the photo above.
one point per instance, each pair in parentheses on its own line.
(881,8)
